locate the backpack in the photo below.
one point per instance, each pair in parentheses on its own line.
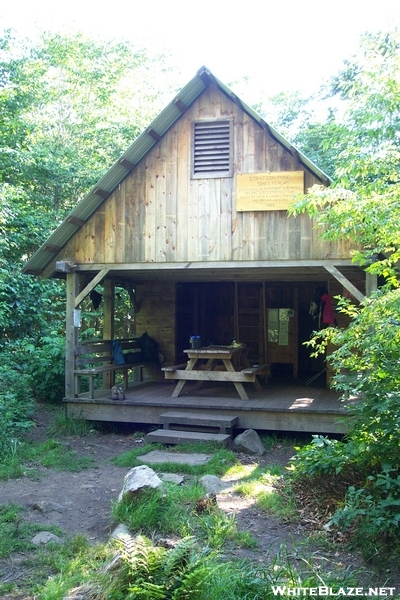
(149,348)
(116,353)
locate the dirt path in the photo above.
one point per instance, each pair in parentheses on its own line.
(80,503)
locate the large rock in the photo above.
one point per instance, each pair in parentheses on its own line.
(213,484)
(120,532)
(160,456)
(172,478)
(44,537)
(249,442)
(140,479)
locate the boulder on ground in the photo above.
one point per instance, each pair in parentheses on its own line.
(44,537)
(249,441)
(213,484)
(172,478)
(138,480)
(120,532)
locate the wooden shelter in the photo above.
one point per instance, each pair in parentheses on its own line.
(192,221)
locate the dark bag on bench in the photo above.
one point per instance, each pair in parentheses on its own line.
(149,348)
(133,357)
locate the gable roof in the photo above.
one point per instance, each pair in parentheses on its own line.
(134,154)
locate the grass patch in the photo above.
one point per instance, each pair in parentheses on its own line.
(65,425)
(56,455)
(11,468)
(15,534)
(184,512)
(54,569)
(216,528)
(169,514)
(274,502)
(52,454)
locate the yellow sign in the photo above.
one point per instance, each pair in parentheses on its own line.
(268,191)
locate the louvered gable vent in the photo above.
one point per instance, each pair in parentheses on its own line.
(212,149)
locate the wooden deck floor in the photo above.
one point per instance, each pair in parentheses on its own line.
(278,407)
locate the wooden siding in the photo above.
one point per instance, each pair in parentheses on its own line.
(159,214)
(156,316)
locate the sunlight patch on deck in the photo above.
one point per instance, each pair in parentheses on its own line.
(301,403)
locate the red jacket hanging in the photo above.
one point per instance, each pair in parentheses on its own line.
(328,316)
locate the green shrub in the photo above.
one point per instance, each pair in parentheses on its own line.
(45,364)
(323,456)
(366,362)
(16,408)
(375,507)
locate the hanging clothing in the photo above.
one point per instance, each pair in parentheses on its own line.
(328,317)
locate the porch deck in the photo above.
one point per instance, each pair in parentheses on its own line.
(277,407)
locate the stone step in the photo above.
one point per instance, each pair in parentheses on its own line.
(222,422)
(169,436)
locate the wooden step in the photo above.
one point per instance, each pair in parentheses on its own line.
(222,422)
(168,436)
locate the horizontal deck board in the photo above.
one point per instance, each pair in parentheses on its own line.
(277,408)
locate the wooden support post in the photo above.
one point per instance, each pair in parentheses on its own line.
(71,333)
(345,282)
(371,283)
(295,341)
(109,326)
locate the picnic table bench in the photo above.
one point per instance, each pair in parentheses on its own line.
(193,371)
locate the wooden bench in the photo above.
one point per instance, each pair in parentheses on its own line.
(96,357)
(173,368)
(258,370)
(210,370)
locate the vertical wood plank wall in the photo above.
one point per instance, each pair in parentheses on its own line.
(159,214)
(156,316)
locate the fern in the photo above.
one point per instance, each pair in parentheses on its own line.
(154,573)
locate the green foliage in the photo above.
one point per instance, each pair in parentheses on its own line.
(65,425)
(303,122)
(364,202)
(153,572)
(15,533)
(323,456)
(46,367)
(74,102)
(376,506)
(16,408)
(216,528)
(366,364)
(364,205)
(366,361)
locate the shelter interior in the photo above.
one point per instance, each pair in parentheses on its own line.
(273,319)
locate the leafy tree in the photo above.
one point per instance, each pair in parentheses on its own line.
(364,204)
(310,124)
(69,106)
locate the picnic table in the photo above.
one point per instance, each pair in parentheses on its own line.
(215,357)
